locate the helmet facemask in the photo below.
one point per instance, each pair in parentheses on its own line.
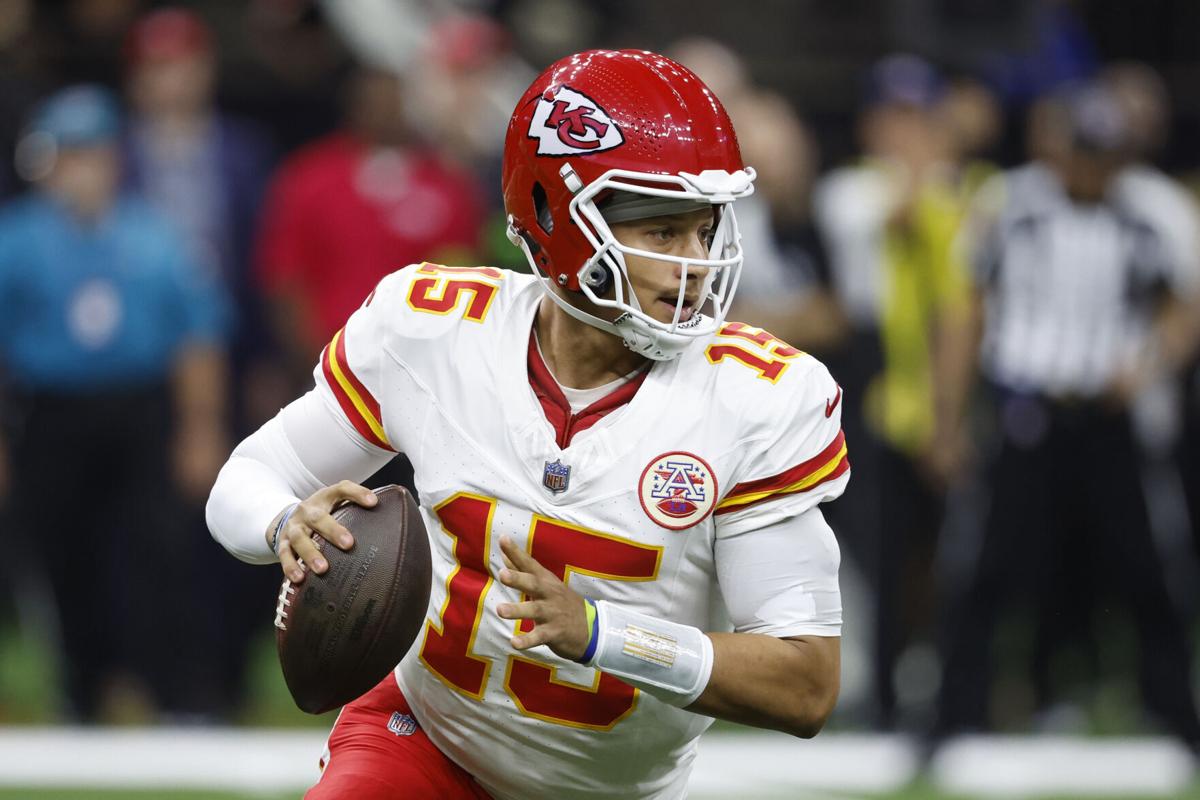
(604,277)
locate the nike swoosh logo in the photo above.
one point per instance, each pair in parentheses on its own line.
(830,405)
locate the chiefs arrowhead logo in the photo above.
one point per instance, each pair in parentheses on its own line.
(566,122)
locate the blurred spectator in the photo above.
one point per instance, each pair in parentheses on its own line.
(1173,210)
(972,121)
(1169,208)
(464,87)
(549,28)
(1143,99)
(201,168)
(890,222)
(713,61)
(1082,307)
(350,208)
(110,342)
(1156,410)
(785,286)
(786,290)
(205,172)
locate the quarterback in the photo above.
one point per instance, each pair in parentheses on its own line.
(621,487)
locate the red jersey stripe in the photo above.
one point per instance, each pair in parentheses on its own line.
(355,406)
(368,399)
(830,463)
(793,475)
(842,467)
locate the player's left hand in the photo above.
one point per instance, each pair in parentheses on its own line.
(559,616)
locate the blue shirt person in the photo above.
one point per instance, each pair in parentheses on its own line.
(113,365)
(97,291)
(98,305)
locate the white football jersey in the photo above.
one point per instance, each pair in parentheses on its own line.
(624,501)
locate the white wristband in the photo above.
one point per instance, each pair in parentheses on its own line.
(669,661)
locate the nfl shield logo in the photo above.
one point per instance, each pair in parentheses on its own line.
(402,724)
(557,476)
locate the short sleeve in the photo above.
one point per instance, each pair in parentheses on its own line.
(349,376)
(797,459)
(782,579)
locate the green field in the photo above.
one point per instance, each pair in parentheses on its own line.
(27,691)
(28,688)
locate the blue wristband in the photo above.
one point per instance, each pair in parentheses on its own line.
(594,619)
(279,527)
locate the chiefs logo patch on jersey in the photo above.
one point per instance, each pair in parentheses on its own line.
(677,490)
(566,122)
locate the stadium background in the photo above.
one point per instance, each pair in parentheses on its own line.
(800,78)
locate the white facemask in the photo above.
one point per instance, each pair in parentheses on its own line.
(641,333)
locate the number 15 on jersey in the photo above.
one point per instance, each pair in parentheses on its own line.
(449,648)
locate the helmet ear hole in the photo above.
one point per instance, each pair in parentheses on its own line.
(599,279)
(541,208)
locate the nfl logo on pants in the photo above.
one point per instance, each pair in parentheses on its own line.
(557,476)
(402,724)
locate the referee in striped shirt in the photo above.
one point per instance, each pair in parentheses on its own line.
(1079,307)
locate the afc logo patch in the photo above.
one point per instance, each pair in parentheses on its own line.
(677,490)
(402,724)
(567,122)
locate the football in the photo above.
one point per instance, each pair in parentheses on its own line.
(339,633)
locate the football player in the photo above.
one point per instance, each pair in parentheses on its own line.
(602,460)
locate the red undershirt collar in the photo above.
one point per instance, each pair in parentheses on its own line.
(558,410)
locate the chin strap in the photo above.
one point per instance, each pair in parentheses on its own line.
(578,313)
(655,344)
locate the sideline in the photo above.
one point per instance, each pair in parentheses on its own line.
(729,764)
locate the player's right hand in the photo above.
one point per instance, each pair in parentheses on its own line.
(314,516)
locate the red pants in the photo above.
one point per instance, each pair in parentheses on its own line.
(377,751)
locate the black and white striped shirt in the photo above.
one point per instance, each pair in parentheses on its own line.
(1069,289)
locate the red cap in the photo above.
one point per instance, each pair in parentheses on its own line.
(167,34)
(467,41)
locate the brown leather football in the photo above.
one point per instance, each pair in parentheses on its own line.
(340,633)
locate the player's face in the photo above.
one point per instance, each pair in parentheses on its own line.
(656,282)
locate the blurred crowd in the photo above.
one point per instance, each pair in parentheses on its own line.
(1002,279)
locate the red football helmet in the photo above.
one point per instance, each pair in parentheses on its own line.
(627,121)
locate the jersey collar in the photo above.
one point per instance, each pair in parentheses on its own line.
(558,410)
